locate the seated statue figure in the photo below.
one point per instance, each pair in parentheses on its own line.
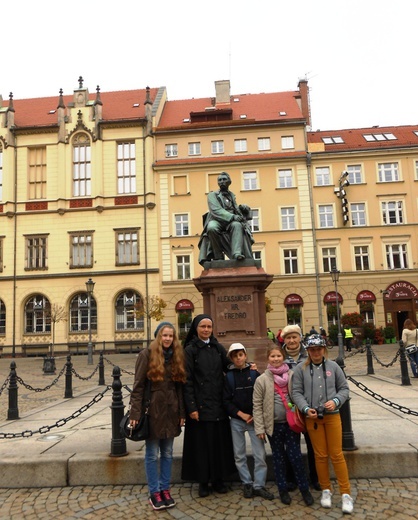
(225,227)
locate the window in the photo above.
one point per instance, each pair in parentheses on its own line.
(126,168)
(81,254)
(240,145)
(354,173)
(396,256)
(81,166)
(182,224)
(288,142)
(358,214)
(290,257)
(323,177)
(329,259)
(255,222)
(217,147)
(83,315)
(127,251)
(392,212)
(2,318)
(361,258)
(416,171)
(36,252)
(1,173)
(37,173)
(183,267)
(263,144)
(288,218)
(128,304)
(171,150)
(194,148)
(257,255)
(1,254)
(326,217)
(379,137)
(37,315)
(285,178)
(388,172)
(336,139)
(250,180)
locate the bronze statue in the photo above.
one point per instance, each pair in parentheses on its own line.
(225,226)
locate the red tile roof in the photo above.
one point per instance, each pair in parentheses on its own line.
(116,106)
(258,107)
(354,138)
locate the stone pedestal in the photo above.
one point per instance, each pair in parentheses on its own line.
(234,295)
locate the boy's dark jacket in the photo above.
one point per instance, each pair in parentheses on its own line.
(240,397)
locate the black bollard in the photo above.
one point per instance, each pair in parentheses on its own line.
(68,379)
(370,369)
(101,370)
(404,365)
(118,442)
(13,411)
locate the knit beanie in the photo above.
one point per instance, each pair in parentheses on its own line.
(161,325)
(289,329)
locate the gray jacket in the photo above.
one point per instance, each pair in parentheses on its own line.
(313,386)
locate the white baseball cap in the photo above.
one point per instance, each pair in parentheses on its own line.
(236,346)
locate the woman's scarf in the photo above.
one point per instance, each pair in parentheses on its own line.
(280,374)
(293,353)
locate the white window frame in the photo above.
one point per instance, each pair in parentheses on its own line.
(217,147)
(240,145)
(264,144)
(329,257)
(290,260)
(36,251)
(288,142)
(361,253)
(396,254)
(388,172)
(254,223)
(181,224)
(323,176)
(249,181)
(288,218)
(183,267)
(355,175)
(37,173)
(392,212)
(81,166)
(358,214)
(171,150)
(127,244)
(285,178)
(81,254)
(126,167)
(194,148)
(326,216)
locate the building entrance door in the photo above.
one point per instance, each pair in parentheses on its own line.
(400,304)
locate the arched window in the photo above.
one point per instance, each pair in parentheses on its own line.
(81,166)
(2,318)
(37,314)
(127,305)
(79,313)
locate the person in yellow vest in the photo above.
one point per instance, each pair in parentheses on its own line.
(348,336)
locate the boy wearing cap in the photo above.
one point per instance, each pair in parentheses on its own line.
(238,399)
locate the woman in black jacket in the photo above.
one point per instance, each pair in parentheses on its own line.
(207,449)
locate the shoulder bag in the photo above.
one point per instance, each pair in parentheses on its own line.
(141,431)
(294,418)
(412,348)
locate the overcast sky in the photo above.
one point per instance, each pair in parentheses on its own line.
(359,56)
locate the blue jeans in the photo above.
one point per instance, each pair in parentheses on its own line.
(413,360)
(238,429)
(158,481)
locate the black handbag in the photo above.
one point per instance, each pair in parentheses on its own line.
(141,432)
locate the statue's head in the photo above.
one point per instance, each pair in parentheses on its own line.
(224,180)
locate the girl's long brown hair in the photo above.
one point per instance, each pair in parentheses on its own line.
(156,359)
(409,324)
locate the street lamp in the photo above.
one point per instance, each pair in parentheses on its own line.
(335,275)
(345,411)
(90,289)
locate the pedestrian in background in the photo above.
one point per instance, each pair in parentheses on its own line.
(163,365)
(319,389)
(410,339)
(208,456)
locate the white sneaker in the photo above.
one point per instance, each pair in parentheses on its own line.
(326,498)
(347,503)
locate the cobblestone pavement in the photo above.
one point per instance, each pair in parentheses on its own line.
(374,499)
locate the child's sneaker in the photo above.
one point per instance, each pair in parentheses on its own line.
(156,501)
(168,499)
(326,498)
(347,503)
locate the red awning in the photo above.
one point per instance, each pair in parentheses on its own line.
(330,297)
(365,296)
(183,305)
(293,299)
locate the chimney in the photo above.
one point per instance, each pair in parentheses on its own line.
(304,98)
(223,91)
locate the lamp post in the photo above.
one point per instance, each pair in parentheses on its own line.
(90,289)
(335,275)
(345,410)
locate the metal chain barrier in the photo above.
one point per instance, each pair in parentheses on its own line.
(121,369)
(382,364)
(383,400)
(4,385)
(85,378)
(29,387)
(59,423)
